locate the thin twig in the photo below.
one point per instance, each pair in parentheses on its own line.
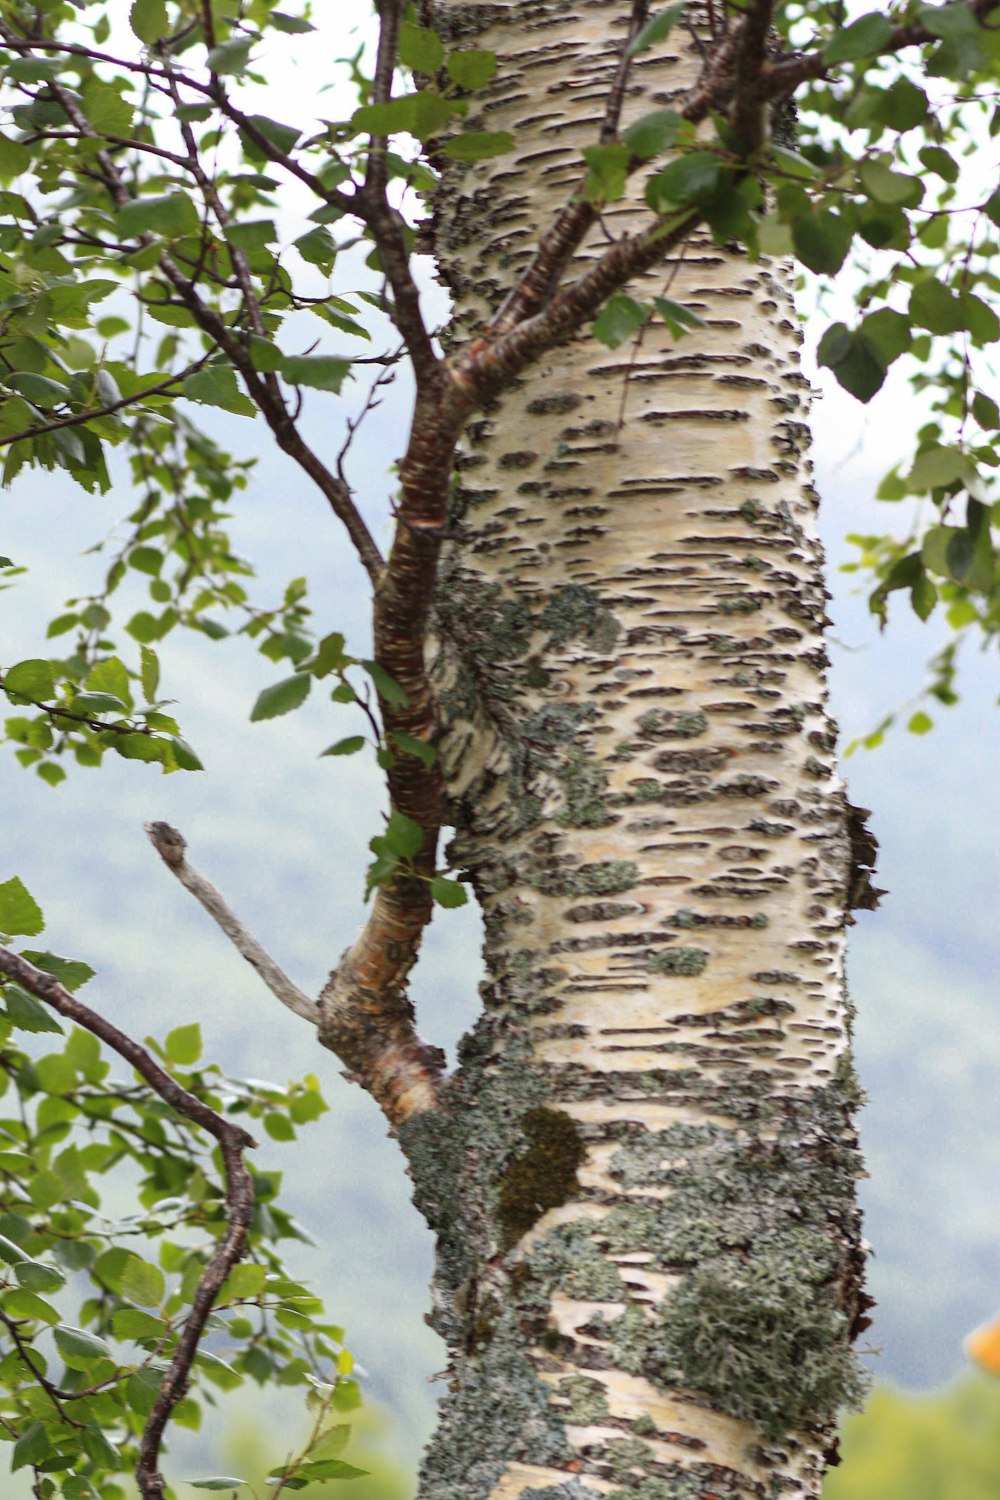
(170,846)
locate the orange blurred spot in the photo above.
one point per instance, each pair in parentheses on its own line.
(983,1346)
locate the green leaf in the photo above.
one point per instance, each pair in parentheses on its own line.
(217,1482)
(25,1013)
(472,68)
(693,178)
(318,247)
(31,1447)
(653,133)
(35,1277)
(231,57)
(20,913)
(169,214)
(322,372)
(865,37)
(678,318)
(920,723)
(15,158)
(294,26)
(822,239)
(281,698)
(279,1127)
(349,746)
(246,1280)
(853,359)
(979,318)
(254,234)
(387,687)
(986,411)
(149,20)
(936,308)
(130,1323)
(619,319)
(12,1254)
(448,892)
(402,835)
(281,137)
(936,466)
(216,385)
(142,1282)
(657,29)
(478,145)
(183,1044)
(423,115)
(425,753)
(22,1304)
(792,164)
(150,673)
(73,973)
(420,48)
(886,186)
(78,1347)
(607,172)
(32,679)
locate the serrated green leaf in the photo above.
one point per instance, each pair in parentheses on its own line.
(15,158)
(822,239)
(216,385)
(420,48)
(653,133)
(318,247)
(402,835)
(678,318)
(169,214)
(32,1447)
(36,1277)
(607,172)
(149,672)
(449,893)
(936,308)
(20,913)
(78,1347)
(387,688)
(149,20)
(281,698)
(143,1282)
(183,1044)
(619,319)
(425,753)
(25,1013)
(33,679)
(471,68)
(321,372)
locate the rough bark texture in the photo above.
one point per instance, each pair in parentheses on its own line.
(643,1185)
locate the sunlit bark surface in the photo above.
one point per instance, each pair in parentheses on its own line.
(644,1188)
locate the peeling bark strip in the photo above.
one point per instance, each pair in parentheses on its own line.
(643,1186)
(233,1141)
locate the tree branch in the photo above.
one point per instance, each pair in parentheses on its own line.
(748,113)
(232,1140)
(103,411)
(170,846)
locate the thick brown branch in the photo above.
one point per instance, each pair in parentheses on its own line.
(232,1140)
(170,846)
(487,365)
(748,115)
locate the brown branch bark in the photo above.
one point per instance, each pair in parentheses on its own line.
(748,115)
(783,76)
(233,1141)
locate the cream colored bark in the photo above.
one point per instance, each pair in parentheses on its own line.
(650,1252)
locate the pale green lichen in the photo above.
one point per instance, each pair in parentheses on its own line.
(688,961)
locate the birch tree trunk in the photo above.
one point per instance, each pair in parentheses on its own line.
(643,1185)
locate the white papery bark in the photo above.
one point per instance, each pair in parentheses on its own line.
(649,1258)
